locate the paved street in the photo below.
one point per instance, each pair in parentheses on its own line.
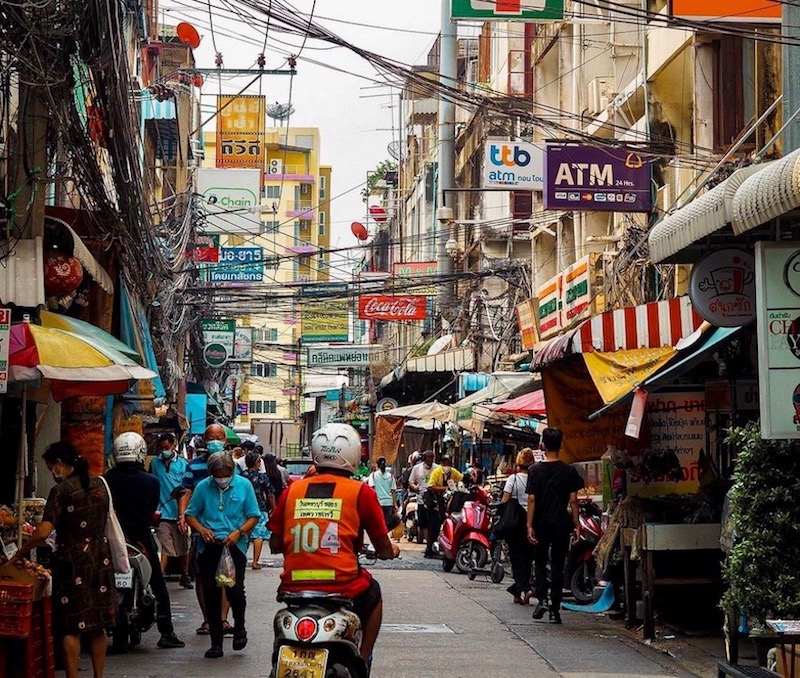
(435,625)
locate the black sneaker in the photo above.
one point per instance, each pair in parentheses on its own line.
(186,582)
(214,652)
(555,617)
(539,610)
(239,640)
(168,642)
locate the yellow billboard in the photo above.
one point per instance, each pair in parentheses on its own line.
(241,136)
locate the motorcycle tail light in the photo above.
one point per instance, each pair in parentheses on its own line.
(305,629)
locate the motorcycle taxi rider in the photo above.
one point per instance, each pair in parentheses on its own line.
(318,524)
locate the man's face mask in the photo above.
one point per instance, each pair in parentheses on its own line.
(214,446)
(223,483)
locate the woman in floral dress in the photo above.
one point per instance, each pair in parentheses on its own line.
(84,597)
(266,502)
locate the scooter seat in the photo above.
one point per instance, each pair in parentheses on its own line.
(330,601)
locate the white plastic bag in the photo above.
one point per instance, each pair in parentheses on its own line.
(226,570)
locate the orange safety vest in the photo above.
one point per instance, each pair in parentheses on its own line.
(321,531)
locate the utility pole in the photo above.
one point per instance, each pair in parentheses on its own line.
(32,161)
(448,48)
(790,31)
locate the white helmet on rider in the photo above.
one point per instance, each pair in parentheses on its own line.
(413,458)
(129,446)
(336,446)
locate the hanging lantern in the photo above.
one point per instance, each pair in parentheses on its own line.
(63,274)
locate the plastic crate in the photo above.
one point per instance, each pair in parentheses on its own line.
(16,609)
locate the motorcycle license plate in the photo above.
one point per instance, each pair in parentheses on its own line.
(124,580)
(301,662)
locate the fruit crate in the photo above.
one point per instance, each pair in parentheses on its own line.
(16,609)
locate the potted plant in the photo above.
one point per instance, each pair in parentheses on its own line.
(762,566)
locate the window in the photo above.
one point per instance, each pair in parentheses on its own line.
(323,188)
(264,370)
(322,219)
(263,406)
(274,192)
(271,226)
(303,226)
(304,140)
(272,263)
(734,89)
(521,204)
(266,334)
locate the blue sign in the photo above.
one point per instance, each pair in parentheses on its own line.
(238,265)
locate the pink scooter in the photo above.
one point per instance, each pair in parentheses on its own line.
(464,537)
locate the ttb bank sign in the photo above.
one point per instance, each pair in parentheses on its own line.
(513,165)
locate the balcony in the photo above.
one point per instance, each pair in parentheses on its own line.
(303,209)
(280,172)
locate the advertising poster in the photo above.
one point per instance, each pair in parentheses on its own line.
(527,322)
(589,178)
(226,196)
(417,269)
(242,345)
(326,320)
(392,308)
(515,165)
(241,137)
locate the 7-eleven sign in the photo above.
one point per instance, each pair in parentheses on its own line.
(508,10)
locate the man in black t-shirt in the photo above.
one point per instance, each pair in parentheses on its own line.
(552,489)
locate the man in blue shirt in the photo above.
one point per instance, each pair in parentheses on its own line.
(223,510)
(169,468)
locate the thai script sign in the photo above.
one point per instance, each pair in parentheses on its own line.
(327,319)
(723,289)
(402,308)
(513,165)
(343,356)
(218,340)
(526,321)
(417,269)
(238,265)
(589,178)
(241,123)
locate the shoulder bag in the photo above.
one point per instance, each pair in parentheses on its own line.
(512,517)
(115,537)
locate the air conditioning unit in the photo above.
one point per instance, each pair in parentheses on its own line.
(275,166)
(599,94)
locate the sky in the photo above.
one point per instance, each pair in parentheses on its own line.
(355,117)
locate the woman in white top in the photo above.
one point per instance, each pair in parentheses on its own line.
(520,550)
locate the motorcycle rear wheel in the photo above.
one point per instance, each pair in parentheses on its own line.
(581,583)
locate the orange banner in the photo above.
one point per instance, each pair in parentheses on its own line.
(241,131)
(527,322)
(571,396)
(753,11)
(388,432)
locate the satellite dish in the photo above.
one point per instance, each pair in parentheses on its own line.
(279,111)
(188,34)
(359,230)
(398,150)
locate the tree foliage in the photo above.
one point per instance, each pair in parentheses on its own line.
(762,569)
(378,174)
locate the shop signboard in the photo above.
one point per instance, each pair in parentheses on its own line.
(550,307)
(740,11)
(242,345)
(401,308)
(241,123)
(513,165)
(328,319)
(579,177)
(226,198)
(723,288)
(526,321)
(220,336)
(778,327)
(508,10)
(417,269)
(204,249)
(577,289)
(343,356)
(238,266)
(677,424)
(5,332)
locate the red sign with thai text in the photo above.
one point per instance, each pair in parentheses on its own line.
(384,307)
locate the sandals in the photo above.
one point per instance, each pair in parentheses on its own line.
(256,566)
(203,630)
(227,628)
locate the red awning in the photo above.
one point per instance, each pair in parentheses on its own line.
(660,323)
(528,404)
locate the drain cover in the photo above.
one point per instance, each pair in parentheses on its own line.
(416,628)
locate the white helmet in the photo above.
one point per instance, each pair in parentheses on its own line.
(336,446)
(129,446)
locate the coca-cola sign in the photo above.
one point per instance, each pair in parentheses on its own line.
(383,307)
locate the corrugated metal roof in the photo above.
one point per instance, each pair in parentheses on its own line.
(767,194)
(22,274)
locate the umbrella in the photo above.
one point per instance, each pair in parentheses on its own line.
(231,436)
(433,410)
(86,331)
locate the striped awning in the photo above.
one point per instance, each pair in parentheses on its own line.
(660,323)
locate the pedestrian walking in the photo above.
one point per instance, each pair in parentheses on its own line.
(426,503)
(223,510)
(278,475)
(169,468)
(552,517)
(520,549)
(383,482)
(84,597)
(265,497)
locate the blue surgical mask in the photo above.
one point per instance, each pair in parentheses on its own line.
(214,446)
(166,455)
(223,483)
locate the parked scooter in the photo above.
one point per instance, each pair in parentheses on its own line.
(137,604)
(317,635)
(581,566)
(410,524)
(464,537)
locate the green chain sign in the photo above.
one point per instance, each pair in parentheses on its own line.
(509,10)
